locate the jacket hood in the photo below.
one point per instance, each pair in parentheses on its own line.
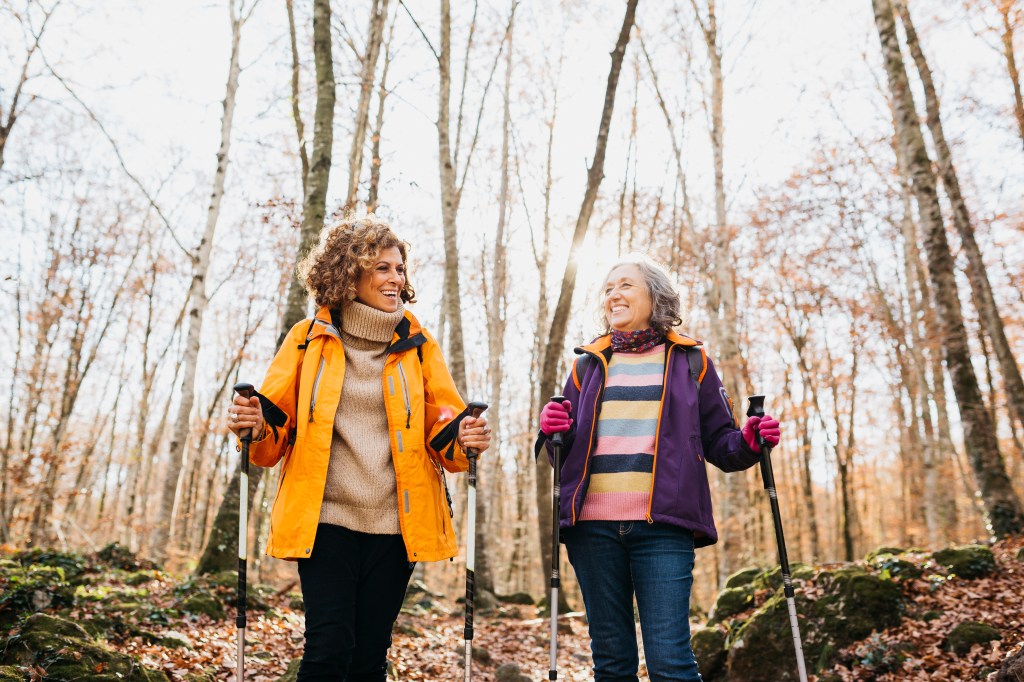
(408,332)
(603,343)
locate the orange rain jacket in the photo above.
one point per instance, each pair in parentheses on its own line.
(304,382)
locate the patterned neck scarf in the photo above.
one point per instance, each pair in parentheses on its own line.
(635,342)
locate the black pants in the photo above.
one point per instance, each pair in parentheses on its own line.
(353,586)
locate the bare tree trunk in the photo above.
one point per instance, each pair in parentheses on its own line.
(454,350)
(374,39)
(314,203)
(300,128)
(595,174)
(497,309)
(378,126)
(1009,28)
(977,273)
(1001,503)
(198,298)
(541,468)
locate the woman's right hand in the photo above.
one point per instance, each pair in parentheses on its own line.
(245,414)
(554,418)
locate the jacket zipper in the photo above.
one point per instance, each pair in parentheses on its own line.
(405,394)
(593,427)
(657,429)
(316,387)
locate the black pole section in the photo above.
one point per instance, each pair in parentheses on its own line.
(245,436)
(755,408)
(475,409)
(556,496)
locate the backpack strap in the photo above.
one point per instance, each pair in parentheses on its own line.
(697,358)
(579,369)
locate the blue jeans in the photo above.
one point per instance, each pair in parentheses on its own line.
(613,561)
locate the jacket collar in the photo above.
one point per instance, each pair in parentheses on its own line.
(408,333)
(602,344)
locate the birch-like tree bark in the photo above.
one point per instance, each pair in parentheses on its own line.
(1001,503)
(721,293)
(198,296)
(314,202)
(977,273)
(374,39)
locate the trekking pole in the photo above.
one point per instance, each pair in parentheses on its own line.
(245,436)
(756,409)
(556,496)
(475,409)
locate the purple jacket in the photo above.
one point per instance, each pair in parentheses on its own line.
(686,437)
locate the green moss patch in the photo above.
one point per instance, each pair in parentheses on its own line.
(968,561)
(966,635)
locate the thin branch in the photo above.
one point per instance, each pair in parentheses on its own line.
(117,152)
(420,29)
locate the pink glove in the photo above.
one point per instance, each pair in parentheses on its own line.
(767,426)
(554,418)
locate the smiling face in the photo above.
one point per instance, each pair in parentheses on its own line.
(380,287)
(627,303)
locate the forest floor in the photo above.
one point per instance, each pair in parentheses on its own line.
(143,614)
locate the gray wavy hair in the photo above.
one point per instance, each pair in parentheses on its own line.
(666,304)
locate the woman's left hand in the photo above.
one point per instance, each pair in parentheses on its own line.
(474,433)
(766,426)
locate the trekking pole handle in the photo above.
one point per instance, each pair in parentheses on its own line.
(247,391)
(556,438)
(755,408)
(474,410)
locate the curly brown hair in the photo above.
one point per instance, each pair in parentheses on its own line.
(330,271)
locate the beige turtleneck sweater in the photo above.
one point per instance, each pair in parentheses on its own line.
(360,493)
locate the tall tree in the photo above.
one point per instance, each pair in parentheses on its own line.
(374,40)
(548,383)
(721,288)
(197,294)
(1001,503)
(977,273)
(314,201)
(218,552)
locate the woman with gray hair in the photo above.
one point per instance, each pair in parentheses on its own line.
(644,409)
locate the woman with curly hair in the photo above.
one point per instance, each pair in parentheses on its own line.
(644,410)
(360,405)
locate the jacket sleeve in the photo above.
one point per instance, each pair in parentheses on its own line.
(279,388)
(572,394)
(442,403)
(720,436)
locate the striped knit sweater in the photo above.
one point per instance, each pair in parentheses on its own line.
(621,467)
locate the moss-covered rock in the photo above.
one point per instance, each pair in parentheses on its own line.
(890,566)
(967,561)
(206,604)
(118,556)
(11,673)
(28,589)
(966,635)
(708,645)
(743,577)
(731,601)
(141,577)
(73,565)
(853,604)
(295,601)
(67,652)
(510,672)
(772,578)
(875,553)
(521,598)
